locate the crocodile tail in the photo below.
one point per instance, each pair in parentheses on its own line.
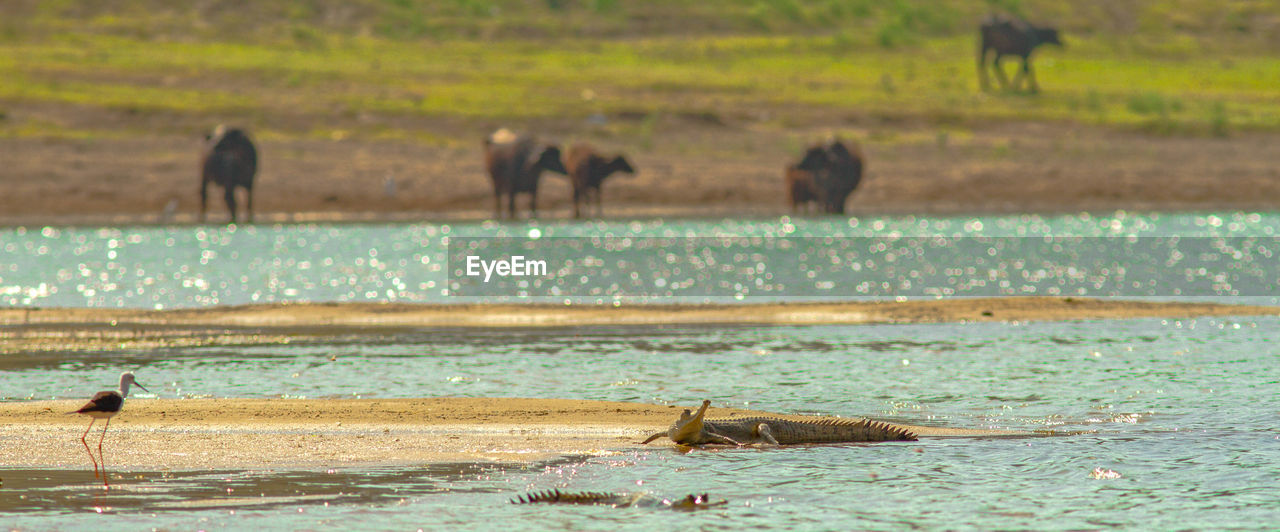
(888,431)
(870,430)
(556,496)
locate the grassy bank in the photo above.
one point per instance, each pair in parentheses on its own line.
(401,69)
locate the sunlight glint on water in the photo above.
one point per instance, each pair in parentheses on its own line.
(172,267)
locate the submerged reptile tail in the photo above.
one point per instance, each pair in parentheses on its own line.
(571,497)
(617,500)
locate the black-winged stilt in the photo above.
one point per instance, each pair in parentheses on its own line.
(103,405)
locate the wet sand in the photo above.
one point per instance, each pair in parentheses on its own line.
(180,434)
(319,315)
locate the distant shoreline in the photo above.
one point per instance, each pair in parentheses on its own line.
(97,329)
(616,214)
(312,315)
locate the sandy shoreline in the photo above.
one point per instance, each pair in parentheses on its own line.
(91,329)
(158,434)
(392,315)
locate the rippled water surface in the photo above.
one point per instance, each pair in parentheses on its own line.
(1183,411)
(1221,255)
(1172,422)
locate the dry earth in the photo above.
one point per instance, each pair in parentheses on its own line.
(687,167)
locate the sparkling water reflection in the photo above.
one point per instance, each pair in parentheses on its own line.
(168,267)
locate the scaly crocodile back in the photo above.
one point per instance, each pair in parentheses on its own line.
(789,432)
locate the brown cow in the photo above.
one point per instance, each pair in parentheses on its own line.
(587,170)
(802,189)
(515,163)
(230,161)
(1010,36)
(835,169)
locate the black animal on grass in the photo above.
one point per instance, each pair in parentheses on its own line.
(230,161)
(1016,37)
(834,170)
(515,163)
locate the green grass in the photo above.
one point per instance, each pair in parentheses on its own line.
(781,56)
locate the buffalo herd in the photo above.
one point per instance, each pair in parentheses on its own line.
(515,163)
(821,181)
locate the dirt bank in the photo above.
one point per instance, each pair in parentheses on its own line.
(688,169)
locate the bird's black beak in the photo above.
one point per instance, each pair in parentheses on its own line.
(138,384)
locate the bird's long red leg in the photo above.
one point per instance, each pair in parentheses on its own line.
(101,458)
(86,447)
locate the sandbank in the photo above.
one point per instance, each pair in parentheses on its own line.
(186,434)
(96,329)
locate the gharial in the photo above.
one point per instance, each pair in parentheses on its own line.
(694,429)
(618,500)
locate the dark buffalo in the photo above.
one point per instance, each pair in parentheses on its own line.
(1010,36)
(230,161)
(587,170)
(515,163)
(835,169)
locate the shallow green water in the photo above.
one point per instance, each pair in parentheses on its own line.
(1222,256)
(1184,411)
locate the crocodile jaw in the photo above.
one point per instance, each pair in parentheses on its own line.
(689,428)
